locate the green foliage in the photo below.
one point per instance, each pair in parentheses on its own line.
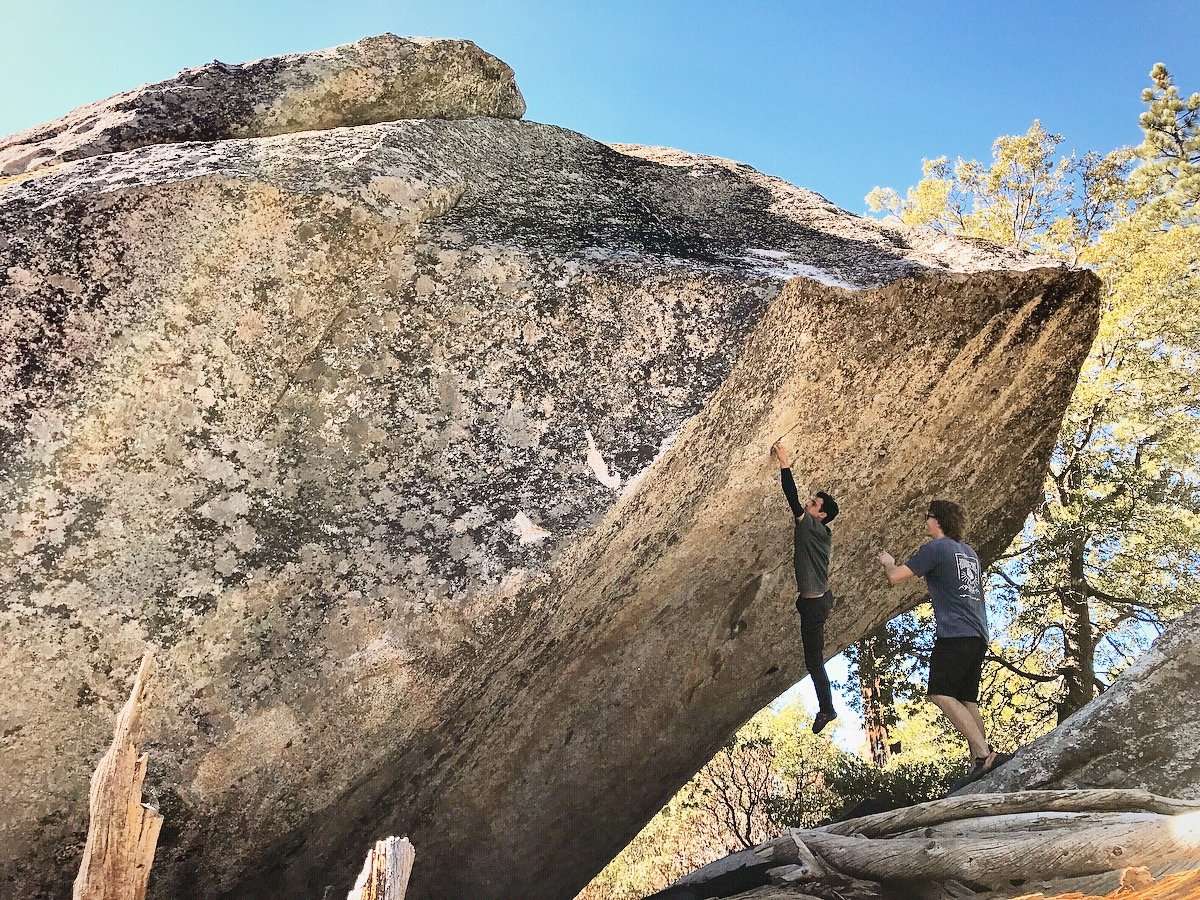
(900,783)
(769,775)
(1111,555)
(670,846)
(1168,181)
(774,773)
(1012,202)
(900,664)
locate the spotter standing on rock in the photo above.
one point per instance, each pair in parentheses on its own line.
(813,542)
(951,569)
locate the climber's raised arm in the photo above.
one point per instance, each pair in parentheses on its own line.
(785,477)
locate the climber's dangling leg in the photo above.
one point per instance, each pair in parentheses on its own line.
(813,612)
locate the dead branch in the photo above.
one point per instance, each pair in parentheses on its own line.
(123,832)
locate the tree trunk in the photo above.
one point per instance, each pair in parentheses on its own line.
(123,832)
(1079,640)
(877,699)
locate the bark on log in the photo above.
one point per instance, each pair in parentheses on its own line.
(123,832)
(386,871)
(1136,884)
(1025,824)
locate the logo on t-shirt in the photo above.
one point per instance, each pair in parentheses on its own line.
(969,581)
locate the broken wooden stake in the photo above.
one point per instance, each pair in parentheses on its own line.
(385,873)
(123,831)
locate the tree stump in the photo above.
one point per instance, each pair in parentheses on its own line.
(123,831)
(386,871)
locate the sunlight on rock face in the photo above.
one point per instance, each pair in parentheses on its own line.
(377,79)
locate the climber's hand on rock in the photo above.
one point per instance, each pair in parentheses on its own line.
(886,559)
(780,453)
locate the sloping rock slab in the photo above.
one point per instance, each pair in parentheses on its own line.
(1143,732)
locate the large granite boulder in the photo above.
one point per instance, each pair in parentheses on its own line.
(431,457)
(376,79)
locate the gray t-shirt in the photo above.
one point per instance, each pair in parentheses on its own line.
(952,571)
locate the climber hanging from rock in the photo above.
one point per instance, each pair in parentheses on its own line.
(952,571)
(813,541)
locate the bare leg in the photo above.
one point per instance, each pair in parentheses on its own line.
(973,709)
(961,718)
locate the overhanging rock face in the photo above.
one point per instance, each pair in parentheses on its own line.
(432,457)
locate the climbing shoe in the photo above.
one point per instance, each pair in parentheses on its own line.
(823,718)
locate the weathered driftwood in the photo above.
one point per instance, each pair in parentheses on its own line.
(970,806)
(984,841)
(385,873)
(1136,884)
(996,859)
(123,832)
(1025,824)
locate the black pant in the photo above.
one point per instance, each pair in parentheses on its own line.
(813,613)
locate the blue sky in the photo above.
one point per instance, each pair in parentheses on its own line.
(834,97)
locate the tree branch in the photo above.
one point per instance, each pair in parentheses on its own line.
(1031,676)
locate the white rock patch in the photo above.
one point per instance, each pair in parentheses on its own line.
(600,467)
(780,264)
(526,530)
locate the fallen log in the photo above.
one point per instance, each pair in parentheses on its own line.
(977,842)
(969,806)
(123,831)
(997,859)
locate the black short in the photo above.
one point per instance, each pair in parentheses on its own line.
(954,667)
